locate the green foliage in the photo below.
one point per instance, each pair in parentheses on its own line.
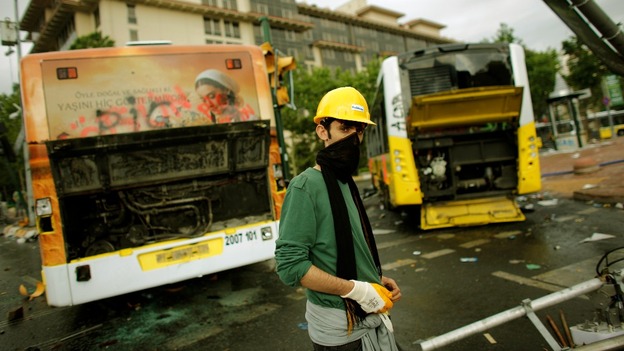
(542,68)
(10,171)
(504,34)
(93,40)
(586,70)
(310,86)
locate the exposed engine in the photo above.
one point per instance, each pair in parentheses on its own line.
(467,164)
(128,190)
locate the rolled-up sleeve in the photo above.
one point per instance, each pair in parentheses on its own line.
(297,234)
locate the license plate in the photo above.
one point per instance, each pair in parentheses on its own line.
(180,254)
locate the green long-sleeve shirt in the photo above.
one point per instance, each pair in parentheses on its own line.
(306,236)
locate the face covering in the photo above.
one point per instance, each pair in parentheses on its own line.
(343,157)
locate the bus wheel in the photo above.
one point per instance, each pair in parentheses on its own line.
(620,132)
(384,197)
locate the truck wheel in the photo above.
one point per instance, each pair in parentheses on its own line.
(384,197)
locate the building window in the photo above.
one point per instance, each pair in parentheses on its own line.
(262,8)
(287,13)
(212,26)
(231,29)
(230,5)
(210,2)
(132,19)
(292,52)
(290,35)
(307,35)
(348,57)
(307,51)
(134,35)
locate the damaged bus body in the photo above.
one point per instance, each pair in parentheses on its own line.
(455,134)
(141,178)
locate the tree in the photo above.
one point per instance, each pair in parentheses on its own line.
(586,70)
(93,40)
(10,170)
(542,68)
(504,34)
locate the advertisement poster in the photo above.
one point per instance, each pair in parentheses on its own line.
(100,96)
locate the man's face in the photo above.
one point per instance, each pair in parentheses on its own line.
(339,130)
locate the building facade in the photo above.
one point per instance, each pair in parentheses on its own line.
(347,38)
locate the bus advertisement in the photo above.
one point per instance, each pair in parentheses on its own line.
(455,134)
(150,165)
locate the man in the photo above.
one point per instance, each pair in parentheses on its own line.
(326,242)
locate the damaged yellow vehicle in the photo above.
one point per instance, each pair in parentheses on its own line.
(455,134)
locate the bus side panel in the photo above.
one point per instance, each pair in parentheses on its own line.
(529,174)
(52,246)
(131,270)
(404,184)
(521,79)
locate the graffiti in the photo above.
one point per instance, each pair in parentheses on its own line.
(156,109)
(249,151)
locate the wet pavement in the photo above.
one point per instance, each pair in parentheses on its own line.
(602,184)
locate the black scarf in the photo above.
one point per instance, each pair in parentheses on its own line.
(338,162)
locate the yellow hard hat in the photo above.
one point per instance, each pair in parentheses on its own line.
(344,103)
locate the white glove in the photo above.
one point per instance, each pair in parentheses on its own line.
(373,298)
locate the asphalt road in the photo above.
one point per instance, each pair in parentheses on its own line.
(250,309)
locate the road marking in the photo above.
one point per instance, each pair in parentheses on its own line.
(474,243)
(505,235)
(588,211)
(396,243)
(527,281)
(398,263)
(565,218)
(571,274)
(445,236)
(438,253)
(383,231)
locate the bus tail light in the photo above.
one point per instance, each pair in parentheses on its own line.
(267,233)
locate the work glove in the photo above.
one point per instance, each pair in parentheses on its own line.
(373,298)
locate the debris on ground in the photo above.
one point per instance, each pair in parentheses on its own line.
(597,236)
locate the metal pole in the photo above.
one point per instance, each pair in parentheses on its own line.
(30,203)
(511,314)
(266,33)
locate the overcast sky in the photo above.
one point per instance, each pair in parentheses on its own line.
(466,20)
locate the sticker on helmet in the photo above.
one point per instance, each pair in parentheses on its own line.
(357,107)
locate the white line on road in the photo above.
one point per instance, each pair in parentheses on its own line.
(474,243)
(505,235)
(530,282)
(438,253)
(398,263)
(396,243)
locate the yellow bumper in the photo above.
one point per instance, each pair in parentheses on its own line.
(469,213)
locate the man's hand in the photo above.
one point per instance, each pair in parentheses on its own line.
(373,298)
(393,287)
